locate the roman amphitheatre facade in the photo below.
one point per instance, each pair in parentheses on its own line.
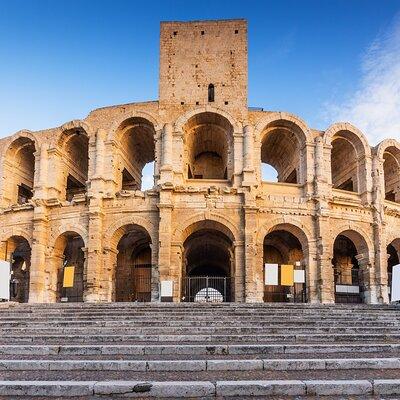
(72,195)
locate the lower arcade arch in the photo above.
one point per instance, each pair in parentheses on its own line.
(70,256)
(350,257)
(17,251)
(283,254)
(208,265)
(134,265)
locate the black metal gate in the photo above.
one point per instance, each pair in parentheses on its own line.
(207,289)
(348,286)
(141,282)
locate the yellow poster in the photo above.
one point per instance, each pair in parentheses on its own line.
(68,281)
(287,275)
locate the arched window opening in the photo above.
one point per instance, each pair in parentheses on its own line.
(280,149)
(208,263)
(75,146)
(69,250)
(347,271)
(344,163)
(137,154)
(208,147)
(17,251)
(268,173)
(391,170)
(133,272)
(211,93)
(282,248)
(19,171)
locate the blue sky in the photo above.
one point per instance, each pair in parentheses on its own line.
(321,60)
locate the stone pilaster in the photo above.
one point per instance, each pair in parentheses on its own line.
(248,153)
(166,170)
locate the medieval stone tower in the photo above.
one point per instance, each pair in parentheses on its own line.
(76,224)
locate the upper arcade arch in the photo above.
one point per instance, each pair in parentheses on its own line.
(349,154)
(208,153)
(388,153)
(135,137)
(282,141)
(19,169)
(73,143)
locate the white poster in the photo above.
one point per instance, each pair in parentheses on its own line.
(271,274)
(5,280)
(167,288)
(299,276)
(395,290)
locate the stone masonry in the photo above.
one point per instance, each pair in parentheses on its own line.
(72,194)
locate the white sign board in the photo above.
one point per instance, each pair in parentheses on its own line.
(395,290)
(352,289)
(167,288)
(5,280)
(271,274)
(299,276)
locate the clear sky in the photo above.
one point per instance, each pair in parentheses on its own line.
(322,60)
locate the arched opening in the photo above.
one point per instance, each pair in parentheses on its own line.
(349,255)
(281,149)
(393,258)
(19,171)
(208,147)
(347,155)
(283,256)
(391,170)
(137,154)
(75,160)
(70,257)
(208,264)
(134,267)
(17,251)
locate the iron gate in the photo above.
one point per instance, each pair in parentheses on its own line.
(348,286)
(207,289)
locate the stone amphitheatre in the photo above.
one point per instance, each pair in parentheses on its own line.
(168,291)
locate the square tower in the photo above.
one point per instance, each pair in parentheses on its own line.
(204,62)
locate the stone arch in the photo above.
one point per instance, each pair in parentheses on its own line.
(62,229)
(16,231)
(282,140)
(130,115)
(19,168)
(116,230)
(388,154)
(227,226)
(73,158)
(131,254)
(356,234)
(351,263)
(68,251)
(136,146)
(208,146)
(349,154)
(183,119)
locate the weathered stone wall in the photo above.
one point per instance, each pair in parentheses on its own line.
(239,206)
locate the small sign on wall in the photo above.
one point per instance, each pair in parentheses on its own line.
(5,271)
(69,273)
(271,274)
(167,290)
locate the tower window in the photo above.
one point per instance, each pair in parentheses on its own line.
(202,32)
(236,31)
(211,93)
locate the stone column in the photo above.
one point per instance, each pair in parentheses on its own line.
(37,284)
(41,183)
(106,292)
(166,270)
(367,272)
(248,153)
(56,175)
(324,247)
(166,163)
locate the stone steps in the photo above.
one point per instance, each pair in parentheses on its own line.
(198,351)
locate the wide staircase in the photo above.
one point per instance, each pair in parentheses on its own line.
(273,351)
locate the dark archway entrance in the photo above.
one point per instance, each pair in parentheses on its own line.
(18,252)
(284,248)
(134,268)
(208,261)
(69,247)
(347,272)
